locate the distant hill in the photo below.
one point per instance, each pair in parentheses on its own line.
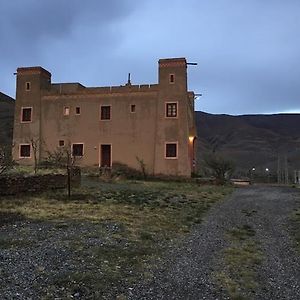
(259,141)
(7,107)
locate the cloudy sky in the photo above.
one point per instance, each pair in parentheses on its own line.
(248,52)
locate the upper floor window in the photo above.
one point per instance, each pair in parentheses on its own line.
(24,151)
(132,108)
(66,110)
(171,78)
(61,143)
(171,150)
(105,113)
(28,86)
(77,149)
(171,110)
(77,110)
(26,114)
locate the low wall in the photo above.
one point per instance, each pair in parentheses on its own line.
(12,185)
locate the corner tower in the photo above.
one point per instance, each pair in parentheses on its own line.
(172,132)
(27,124)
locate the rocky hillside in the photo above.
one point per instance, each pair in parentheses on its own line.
(252,141)
(7,106)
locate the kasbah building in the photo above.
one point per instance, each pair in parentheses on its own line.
(106,125)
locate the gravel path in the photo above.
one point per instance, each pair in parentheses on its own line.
(187,272)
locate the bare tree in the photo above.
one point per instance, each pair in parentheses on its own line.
(142,166)
(220,167)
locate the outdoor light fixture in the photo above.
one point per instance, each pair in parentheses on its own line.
(191,138)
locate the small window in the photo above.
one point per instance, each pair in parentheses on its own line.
(172,78)
(77,110)
(171,110)
(132,108)
(77,149)
(171,150)
(24,150)
(61,143)
(28,86)
(105,112)
(26,114)
(66,110)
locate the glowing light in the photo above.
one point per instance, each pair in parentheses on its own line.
(191,138)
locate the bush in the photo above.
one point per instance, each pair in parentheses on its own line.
(123,170)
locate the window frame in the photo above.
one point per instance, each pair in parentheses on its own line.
(31,113)
(20,147)
(171,143)
(27,86)
(73,150)
(166,109)
(66,108)
(110,112)
(79,108)
(171,78)
(133,108)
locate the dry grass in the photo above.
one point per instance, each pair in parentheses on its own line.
(241,259)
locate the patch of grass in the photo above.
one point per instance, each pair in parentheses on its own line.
(241,259)
(295,228)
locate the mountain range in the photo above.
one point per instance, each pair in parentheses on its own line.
(260,143)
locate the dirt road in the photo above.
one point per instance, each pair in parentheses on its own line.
(242,250)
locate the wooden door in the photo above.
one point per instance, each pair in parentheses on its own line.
(105,156)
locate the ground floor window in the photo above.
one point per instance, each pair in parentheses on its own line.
(24,150)
(171,150)
(77,149)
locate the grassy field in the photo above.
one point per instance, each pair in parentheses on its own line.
(118,230)
(241,259)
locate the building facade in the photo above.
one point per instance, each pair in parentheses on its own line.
(106,125)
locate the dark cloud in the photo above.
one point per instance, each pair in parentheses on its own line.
(25,24)
(248,52)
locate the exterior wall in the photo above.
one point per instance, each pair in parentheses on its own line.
(141,134)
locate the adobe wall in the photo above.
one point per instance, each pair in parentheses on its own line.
(13,185)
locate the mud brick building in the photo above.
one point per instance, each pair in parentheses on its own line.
(104,125)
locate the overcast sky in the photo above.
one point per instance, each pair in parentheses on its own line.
(248,51)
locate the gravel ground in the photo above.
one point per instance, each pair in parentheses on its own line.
(187,272)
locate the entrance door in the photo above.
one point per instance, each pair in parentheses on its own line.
(105,156)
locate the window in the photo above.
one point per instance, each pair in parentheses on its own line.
(66,110)
(171,110)
(77,149)
(61,143)
(105,112)
(24,150)
(171,150)
(171,78)
(77,110)
(132,108)
(26,114)
(27,86)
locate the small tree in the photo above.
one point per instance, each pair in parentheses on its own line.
(62,157)
(142,166)
(35,144)
(220,167)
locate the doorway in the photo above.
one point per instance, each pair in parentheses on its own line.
(105,156)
